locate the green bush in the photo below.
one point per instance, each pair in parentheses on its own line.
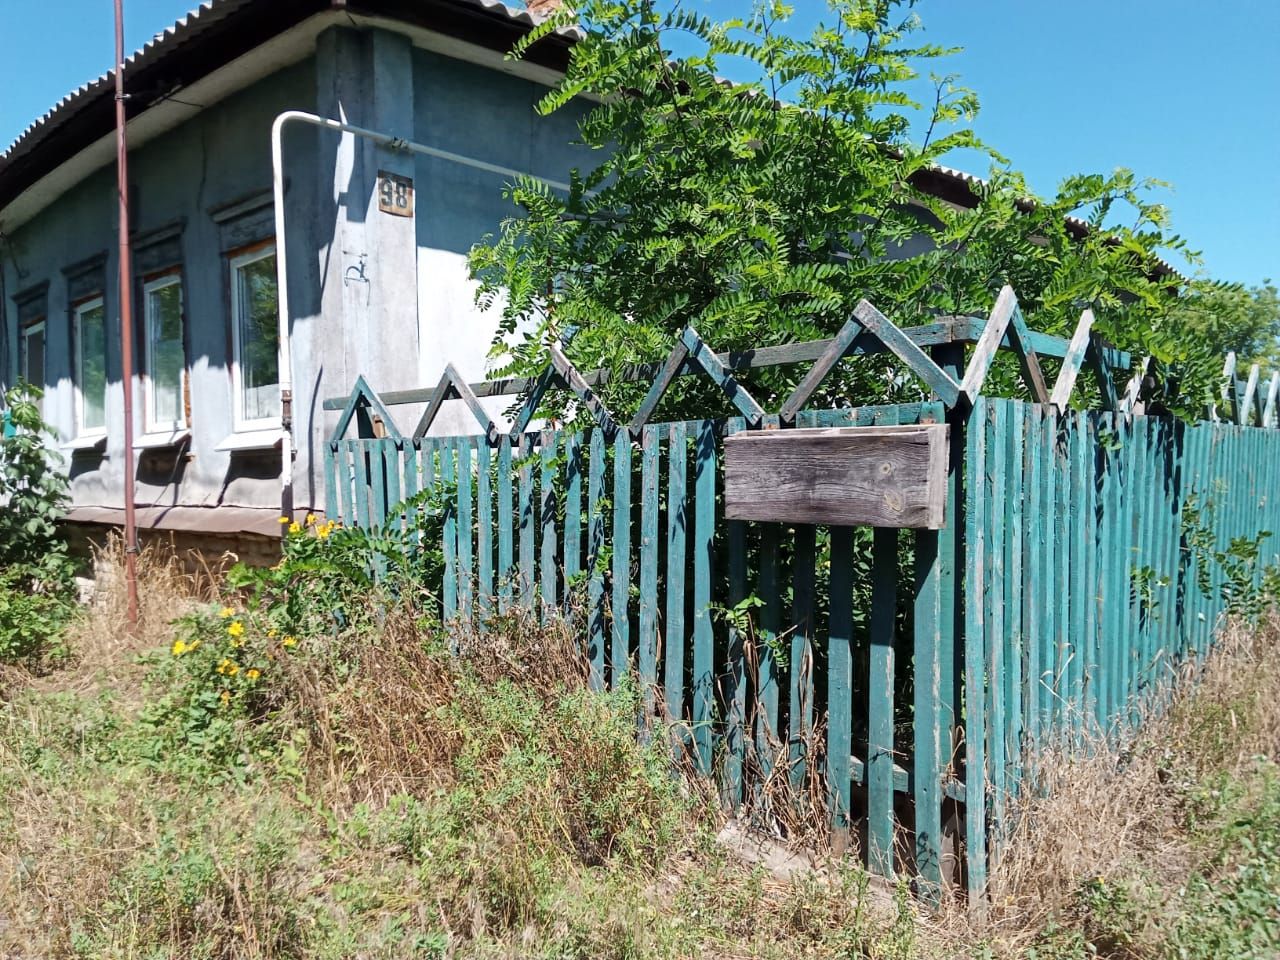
(36,572)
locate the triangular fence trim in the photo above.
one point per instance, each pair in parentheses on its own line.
(906,350)
(453,386)
(363,398)
(1065,385)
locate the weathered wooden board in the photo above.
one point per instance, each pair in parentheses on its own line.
(845,476)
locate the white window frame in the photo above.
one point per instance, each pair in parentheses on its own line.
(151,425)
(24,353)
(80,310)
(242,425)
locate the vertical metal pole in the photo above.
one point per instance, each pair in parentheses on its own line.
(126,329)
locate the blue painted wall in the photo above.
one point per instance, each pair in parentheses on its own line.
(383,296)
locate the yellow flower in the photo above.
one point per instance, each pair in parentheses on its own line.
(179,648)
(253,673)
(227,612)
(236,628)
(228,667)
(322,532)
(289,641)
(272,632)
(237,643)
(311,519)
(295,527)
(225,697)
(283,520)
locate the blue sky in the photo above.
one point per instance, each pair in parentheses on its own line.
(1181,90)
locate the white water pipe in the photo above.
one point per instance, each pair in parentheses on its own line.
(285,357)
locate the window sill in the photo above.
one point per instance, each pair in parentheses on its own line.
(159,441)
(252,440)
(92,442)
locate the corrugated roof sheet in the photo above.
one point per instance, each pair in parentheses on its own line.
(186,28)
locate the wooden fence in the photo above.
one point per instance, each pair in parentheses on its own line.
(913,676)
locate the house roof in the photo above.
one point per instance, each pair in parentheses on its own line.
(218,31)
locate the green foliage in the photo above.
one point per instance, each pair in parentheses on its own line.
(762,212)
(222,671)
(36,574)
(1235,317)
(328,571)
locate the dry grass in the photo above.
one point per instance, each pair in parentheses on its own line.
(1109,816)
(170,583)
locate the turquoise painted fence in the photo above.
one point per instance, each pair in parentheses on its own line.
(910,680)
(1092,545)
(1075,576)
(626,538)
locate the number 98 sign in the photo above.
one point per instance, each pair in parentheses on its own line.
(395,194)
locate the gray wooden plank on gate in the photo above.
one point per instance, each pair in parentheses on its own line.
(880,753)
(840,685)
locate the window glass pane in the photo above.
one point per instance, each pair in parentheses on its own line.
(258,337)
(93,368)
(33,355)
(164,323)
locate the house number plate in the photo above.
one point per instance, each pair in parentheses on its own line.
(395,194)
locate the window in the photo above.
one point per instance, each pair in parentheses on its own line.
(31,353)
(91,367)
(255,367)
(165,357)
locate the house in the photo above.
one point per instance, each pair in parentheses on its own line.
(376,240)
(374,236)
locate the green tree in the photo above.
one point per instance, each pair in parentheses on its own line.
(762,212)
(1235,317)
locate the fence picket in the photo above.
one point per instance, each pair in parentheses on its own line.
(484,530)
(524,518)
(595,559)
(648,640)
(677,556)
(703,557)
(880,752)
(548,570)
(620,637)
(465,531)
